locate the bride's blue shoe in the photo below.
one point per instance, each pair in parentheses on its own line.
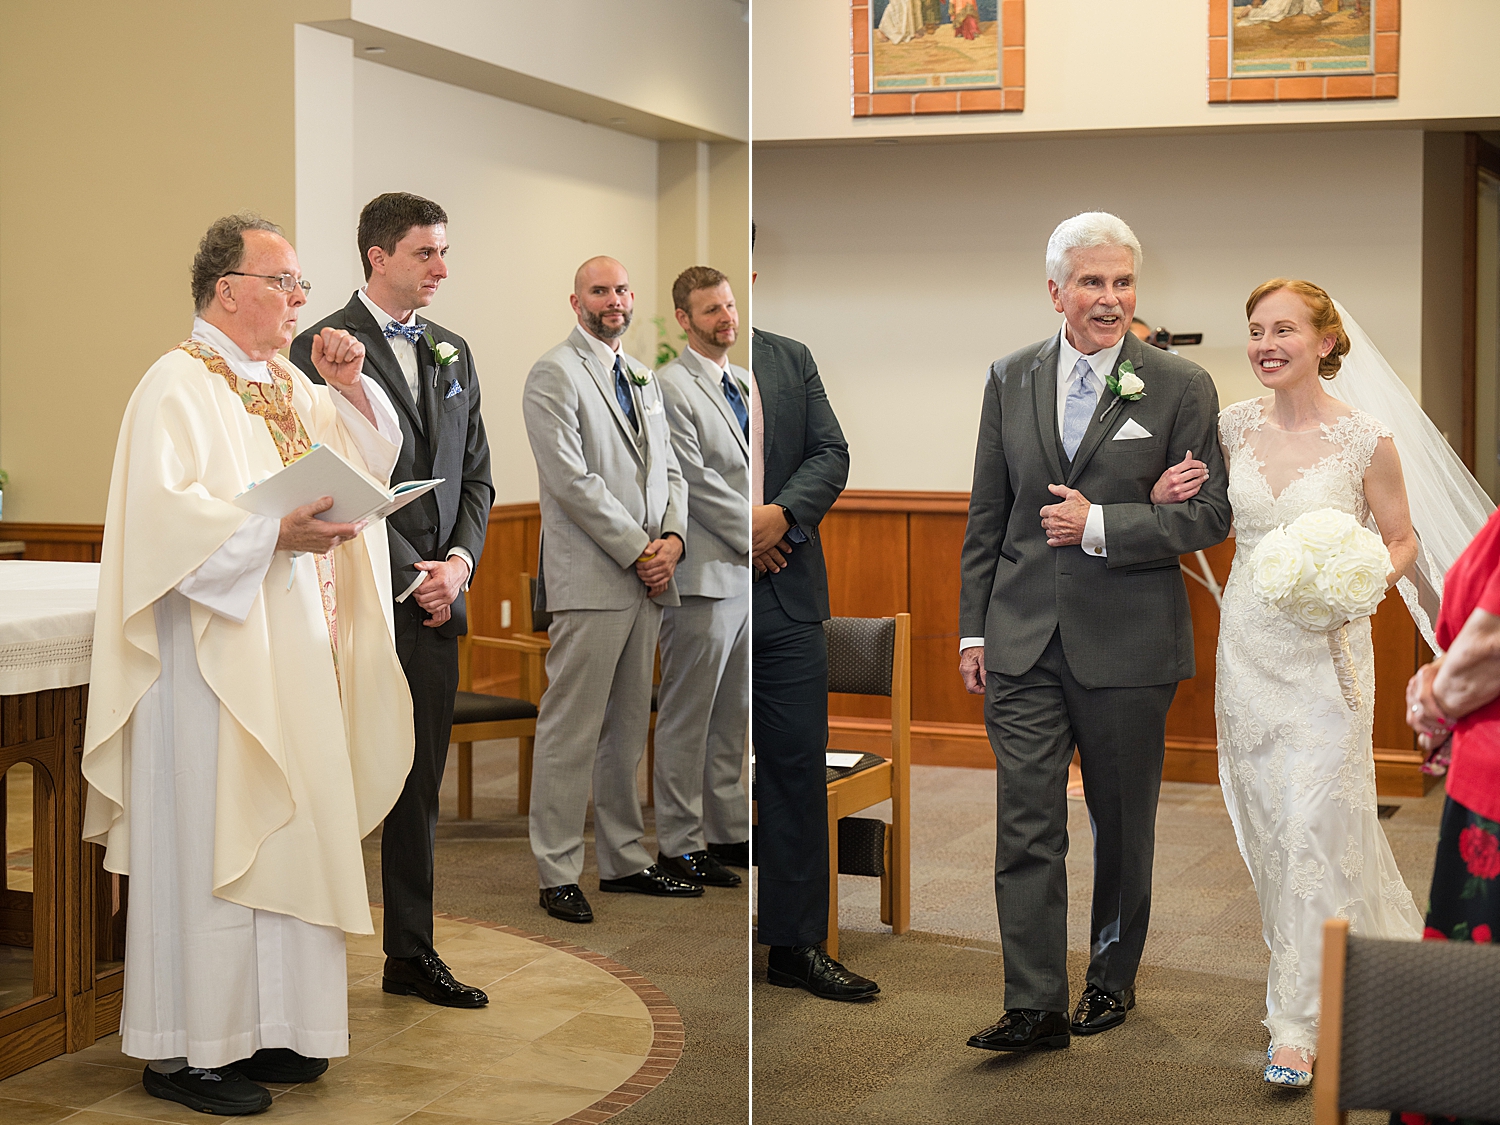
(1285,1075)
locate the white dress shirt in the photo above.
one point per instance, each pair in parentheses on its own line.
(1100,364)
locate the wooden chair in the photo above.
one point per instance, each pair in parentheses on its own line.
(872,656)
(532,622)
(479,717)
(1408,1027)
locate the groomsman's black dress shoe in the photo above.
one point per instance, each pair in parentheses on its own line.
(1024,1029)
(732,855)
(807,966)
(222,1090)
(1099,1010)
(280,1065)
(697,867)
(653,881)
(426,976)
(567,902)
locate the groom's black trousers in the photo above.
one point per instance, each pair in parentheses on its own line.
(1034,721)
(789,729)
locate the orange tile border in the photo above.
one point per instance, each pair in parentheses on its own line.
(1010,99)
(667,1035)
(1384,82)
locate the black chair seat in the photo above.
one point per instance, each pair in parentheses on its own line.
(471,707)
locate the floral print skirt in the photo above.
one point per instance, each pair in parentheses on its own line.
(1465,901)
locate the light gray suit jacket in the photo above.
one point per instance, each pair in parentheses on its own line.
(606,491)
(715,459)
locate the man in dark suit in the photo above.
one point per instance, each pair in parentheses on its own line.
(799,462)
(435,543)
(1074,619)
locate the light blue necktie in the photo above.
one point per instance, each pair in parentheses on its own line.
(1078,411)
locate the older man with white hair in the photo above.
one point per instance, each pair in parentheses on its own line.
(1074,618)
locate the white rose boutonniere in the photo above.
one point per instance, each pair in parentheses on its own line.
(443,353)
(1126,384)
(640,376)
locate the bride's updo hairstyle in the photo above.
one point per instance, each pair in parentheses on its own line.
(1321,314)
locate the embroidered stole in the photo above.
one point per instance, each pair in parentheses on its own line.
(273,402)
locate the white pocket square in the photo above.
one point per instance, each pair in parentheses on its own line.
(1131,429)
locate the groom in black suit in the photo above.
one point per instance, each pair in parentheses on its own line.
(435,543)
(1074,619)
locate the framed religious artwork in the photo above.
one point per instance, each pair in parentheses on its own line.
(1303,50)
(938,56)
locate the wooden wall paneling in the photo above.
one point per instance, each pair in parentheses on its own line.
(938,695)
(510,548)
(866,553)
(57,542)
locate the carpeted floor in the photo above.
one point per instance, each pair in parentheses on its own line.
(1191,1051)
(695,950)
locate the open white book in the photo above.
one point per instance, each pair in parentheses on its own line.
(322,472)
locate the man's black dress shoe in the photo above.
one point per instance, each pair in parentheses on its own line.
(807,966)
(566,902)
(426,976)
(697,867)
(653,881)
(222,1090)
(1099,1010)
(1024,1029)
(732,855)
(280,1065)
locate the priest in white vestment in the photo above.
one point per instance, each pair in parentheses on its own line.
(248,718)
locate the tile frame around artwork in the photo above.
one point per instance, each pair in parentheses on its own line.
(1009,98)
(1384,82)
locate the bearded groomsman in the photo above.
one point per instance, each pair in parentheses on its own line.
(614,524)
(435,541)
(702,817)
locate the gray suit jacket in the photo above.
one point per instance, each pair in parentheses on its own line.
(606,491)
(714,455)
(1124,619)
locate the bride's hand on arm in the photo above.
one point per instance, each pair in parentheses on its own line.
(1180,482)
(1385,492)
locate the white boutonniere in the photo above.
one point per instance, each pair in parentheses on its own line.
(640,376)
(1126,384)
(442,353)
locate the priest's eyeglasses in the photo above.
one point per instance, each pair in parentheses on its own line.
(283,281)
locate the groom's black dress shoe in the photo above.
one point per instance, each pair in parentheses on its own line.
(426,976)
(222,1091)
(807,966)
(1024,1029)
(697,867)
(1099,1010)
(653,881)
(566,902)
(280,1065)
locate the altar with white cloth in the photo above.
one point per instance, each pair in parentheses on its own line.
(62,917)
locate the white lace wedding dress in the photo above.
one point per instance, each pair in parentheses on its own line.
(1295,762)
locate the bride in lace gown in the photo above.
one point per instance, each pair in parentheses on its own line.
(1295,761)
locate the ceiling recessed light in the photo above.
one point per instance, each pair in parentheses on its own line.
(374,50)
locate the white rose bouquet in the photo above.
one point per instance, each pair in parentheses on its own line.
(1323,570)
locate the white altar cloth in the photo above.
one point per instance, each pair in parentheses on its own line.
(46,624)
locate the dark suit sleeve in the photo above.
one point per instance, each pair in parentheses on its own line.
(811,490)
(1137,533)
(478,493)
(301,355)
(990,501)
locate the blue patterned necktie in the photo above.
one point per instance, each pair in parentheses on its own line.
(737,404)
(1078,411)
(622,393)
(411,332)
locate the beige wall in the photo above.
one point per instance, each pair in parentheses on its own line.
(116,152)
(1096,65)
(909,268)
(1442,282)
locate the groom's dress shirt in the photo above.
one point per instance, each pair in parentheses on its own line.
(1100,364)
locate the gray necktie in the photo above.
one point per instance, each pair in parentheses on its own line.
(1078,411)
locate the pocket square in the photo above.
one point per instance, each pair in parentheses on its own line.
(1131,429)
(453,389)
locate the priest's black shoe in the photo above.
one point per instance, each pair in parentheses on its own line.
(222,1090)
(567,902)
(1024,1029)
(280,1065)
(697,867)
(732,855)
(1099,1010)
(426,976)
(807,966)
(653,881)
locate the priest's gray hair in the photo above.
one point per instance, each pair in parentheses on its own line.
(1081,232)
(221,251)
